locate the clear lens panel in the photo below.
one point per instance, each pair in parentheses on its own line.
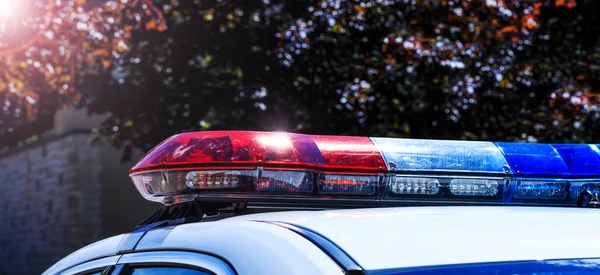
(215,179)
(153,186)
(348,184)
(474,187)
(539,189)
(441,155)
(285,181)
(417,186)
(149,184)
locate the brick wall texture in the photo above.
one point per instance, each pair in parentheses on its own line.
(59,196)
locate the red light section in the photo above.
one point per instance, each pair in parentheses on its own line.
(235,149)
(350,153)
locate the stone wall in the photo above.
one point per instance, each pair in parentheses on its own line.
(59,195)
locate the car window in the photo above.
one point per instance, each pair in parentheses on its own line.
(165,270)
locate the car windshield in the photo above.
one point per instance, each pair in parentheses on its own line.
(542,267)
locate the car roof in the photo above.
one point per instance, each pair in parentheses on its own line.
(384,238)
(424,236)
(281,251)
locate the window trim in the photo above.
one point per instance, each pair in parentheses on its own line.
(90,266)
(202,262)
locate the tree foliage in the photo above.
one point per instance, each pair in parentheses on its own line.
(491,70)
(46,45)
(471,69)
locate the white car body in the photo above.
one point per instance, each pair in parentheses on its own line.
(375,238)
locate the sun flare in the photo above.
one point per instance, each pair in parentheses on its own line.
(6,7)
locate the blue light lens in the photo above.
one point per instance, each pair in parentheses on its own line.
(533,160)
(541,189)
(576,187)
(552,172)
(582,160)
(441,156)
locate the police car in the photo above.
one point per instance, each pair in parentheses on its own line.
(239,202)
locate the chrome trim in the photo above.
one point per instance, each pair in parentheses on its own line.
(87,266)
(202,261)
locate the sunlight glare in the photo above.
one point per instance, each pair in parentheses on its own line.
(6,7)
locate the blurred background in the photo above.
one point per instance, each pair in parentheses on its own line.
(86,86)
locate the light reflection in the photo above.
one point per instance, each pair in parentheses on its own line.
(6,8)
(52,37)
(280,141)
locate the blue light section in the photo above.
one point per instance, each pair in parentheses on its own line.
(582,160)
(539,189)
(441,156)
(534,160)
(576,187)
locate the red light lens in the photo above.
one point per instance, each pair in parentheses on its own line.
(285,181)
(350,153)
(238,164)
(242,149)
(348,184)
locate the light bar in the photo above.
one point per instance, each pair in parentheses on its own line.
(275,167)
